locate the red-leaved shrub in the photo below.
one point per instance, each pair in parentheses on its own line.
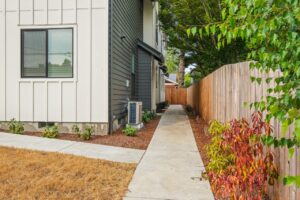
(251,168)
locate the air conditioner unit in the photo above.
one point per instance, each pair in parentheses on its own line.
(135,111)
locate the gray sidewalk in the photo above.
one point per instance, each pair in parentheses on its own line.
(116,154)
(171,167)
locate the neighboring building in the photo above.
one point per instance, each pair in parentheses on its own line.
(170,82)
(78,61)
(173,77)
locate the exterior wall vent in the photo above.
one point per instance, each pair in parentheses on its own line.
(45,124)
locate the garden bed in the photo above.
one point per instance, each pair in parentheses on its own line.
(201,136)
(38,175)
(141,141)
(200,130)
(199,127)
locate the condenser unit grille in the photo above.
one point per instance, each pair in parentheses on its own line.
(132,115)
(135,112)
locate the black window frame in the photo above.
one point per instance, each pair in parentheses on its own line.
(47,55)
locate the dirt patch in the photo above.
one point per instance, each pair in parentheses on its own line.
(37,175)
(118,139)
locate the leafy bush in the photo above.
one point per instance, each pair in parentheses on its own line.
(16,127)
(148,116)
(130,131)
(189,109)
(87,133)
(76,130)
(51,132)
(220,157)
(240,166)
(161,106)
(167,104)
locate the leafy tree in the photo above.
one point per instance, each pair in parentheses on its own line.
(172,60)
(177,15)
(187,80)
(271,31)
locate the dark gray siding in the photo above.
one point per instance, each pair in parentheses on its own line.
(143,86)
(126,19)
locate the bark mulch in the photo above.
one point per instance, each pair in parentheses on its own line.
(202,137)
(200,130)
(118,139)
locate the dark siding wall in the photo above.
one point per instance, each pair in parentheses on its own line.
(126,18)
(144,78)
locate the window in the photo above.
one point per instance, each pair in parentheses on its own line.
(47,53)
(156,30)
(133,64)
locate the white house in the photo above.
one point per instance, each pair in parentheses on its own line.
(78,61)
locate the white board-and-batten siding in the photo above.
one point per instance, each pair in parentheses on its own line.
(83,98)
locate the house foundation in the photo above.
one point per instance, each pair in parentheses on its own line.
(99,128)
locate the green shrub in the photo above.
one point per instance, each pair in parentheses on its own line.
(220,157)
(148,116)
(130,131)
(87,133)
(16,127)
(189,109)
(76,130)
(51,132)
(167,104)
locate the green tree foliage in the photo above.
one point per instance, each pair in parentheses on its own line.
(187,80)
(177,15)
(172,60)
(271,31)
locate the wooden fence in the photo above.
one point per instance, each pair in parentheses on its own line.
(222,96)
(176,95)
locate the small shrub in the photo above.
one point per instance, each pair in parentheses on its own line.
(51,132)
(76,130)
(87,133)
(148,116)
(189,109)
(220,157)
(153,115)
(167,104)
(16,127)
(130,131)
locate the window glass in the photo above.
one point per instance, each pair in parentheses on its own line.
(47,53)
(60,53)
(34,54)
(133,64)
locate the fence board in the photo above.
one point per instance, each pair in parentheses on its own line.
(176,95)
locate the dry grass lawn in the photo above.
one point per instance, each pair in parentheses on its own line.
(37,175)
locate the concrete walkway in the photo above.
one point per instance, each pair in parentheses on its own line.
(172,166)
(116,154)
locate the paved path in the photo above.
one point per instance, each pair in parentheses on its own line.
(171,167)
(116,154)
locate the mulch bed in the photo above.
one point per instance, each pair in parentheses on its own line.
(202,137)
(200,130)
(118,139)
